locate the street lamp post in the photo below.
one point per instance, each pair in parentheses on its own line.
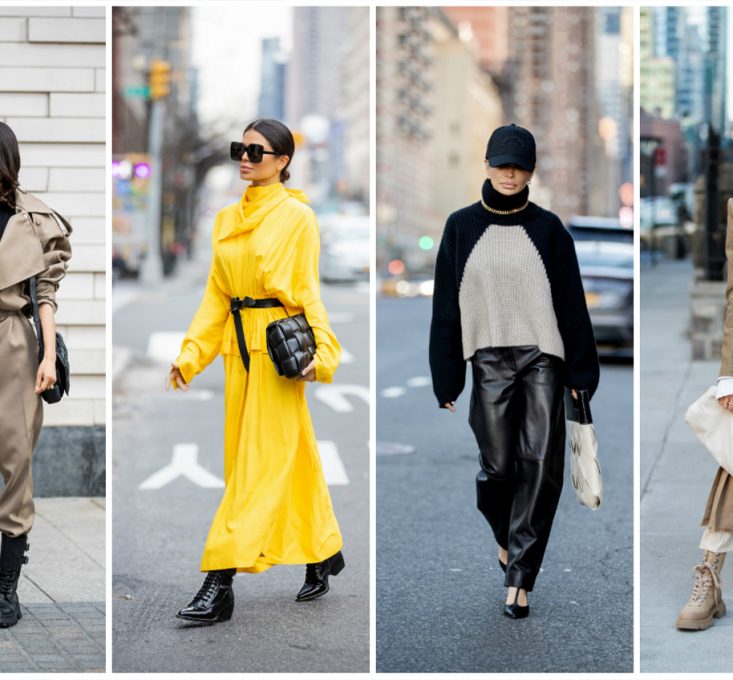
(713,253)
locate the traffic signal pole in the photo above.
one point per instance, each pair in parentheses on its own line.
(152,270)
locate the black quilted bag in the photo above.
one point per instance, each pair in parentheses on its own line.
(291,345)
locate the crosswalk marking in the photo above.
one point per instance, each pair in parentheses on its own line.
(335,396)
(184,463)
(164,346)
(333,468)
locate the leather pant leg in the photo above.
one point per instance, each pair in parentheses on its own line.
(517,417)
(540,458)
(492,416)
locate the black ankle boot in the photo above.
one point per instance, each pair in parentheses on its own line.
(12,558)
(214,600)
(316,577)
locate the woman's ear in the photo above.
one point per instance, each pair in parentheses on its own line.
(282,162)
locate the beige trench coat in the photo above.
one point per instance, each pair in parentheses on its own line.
(718,514)
(35,243)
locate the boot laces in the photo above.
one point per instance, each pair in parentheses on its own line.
(7,581)
(210,586)
(705,578)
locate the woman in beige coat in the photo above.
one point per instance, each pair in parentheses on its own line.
(33,243)
(706,602)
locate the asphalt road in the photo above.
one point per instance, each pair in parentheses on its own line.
(439,587)
(159,533)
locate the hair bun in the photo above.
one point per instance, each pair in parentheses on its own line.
(284,175)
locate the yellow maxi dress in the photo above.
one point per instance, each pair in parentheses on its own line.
(276,507)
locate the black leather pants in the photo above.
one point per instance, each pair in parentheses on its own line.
(517,414)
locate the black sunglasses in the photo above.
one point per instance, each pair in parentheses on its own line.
(255,152)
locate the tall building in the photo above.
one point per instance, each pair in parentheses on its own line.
(272,80)
(553,93)
(657,87)
(405,108)
(356,109)
(487,28)
(52,94)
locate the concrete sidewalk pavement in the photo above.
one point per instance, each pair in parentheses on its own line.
(676,474)
(62,592)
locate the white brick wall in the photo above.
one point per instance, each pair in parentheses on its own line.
(52,83)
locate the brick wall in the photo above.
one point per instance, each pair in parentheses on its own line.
(52,82)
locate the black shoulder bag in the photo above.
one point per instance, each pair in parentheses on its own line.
(52,394)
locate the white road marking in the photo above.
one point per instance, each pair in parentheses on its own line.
(333,468)
(165,346)
(335,396)
(183,464)
(418,381)
(393,448)
(346,357)
(393,392)
(341,317)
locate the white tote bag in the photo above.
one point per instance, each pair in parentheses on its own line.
(713,426)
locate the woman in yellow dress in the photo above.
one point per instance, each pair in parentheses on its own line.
(276,507)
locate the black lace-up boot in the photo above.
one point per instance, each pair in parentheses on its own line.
(214,601)
(12,558)
(316,577)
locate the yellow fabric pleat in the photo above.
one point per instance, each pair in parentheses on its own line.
(276,507)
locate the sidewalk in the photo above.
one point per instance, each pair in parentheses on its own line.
(62,592)
(676,474)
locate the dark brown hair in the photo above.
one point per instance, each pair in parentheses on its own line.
(280,139)
(9,165)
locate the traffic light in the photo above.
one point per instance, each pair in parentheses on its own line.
(159,79)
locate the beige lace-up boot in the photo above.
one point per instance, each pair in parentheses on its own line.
(706,602)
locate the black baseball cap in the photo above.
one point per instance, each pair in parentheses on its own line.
(512,144)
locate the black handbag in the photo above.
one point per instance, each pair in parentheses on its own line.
(53,394)
(291,345)
(290,341)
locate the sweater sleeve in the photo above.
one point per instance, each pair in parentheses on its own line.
(582,370)
(447,365)
(202,342)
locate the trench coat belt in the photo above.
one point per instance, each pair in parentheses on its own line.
(5,313)
(252,303)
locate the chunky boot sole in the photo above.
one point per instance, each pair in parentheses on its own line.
(8,620)
(702,624)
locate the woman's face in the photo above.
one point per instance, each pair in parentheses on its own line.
(265,172)
(508,179)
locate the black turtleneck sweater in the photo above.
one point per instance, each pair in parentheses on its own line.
(508,280)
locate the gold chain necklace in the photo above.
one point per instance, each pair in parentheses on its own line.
(504,212)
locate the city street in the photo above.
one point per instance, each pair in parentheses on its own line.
(439,586)
(676,474)
(167,481)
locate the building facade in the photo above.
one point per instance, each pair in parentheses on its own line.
(52,94)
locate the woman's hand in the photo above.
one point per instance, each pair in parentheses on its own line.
(175,380)
(309,372)
(46,375)
(726,402)
(450,406)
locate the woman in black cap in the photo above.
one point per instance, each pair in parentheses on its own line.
(509,298)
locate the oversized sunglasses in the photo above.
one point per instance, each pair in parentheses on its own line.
(255,152)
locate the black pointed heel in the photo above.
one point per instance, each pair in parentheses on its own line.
(516,611)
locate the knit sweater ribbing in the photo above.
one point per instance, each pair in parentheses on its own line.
(508,280)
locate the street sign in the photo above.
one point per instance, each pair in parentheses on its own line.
(137,92)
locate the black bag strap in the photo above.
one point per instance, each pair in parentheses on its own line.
(36,317)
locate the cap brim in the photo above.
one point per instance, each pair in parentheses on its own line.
(510,159)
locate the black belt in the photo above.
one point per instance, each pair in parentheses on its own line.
(235,306)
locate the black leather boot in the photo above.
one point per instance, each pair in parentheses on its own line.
(214,601)
(316,577)
(12,558)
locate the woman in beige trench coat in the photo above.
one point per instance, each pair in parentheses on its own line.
(33,243)
(706,602)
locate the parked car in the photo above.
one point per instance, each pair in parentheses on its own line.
(607,270)
(345,248)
